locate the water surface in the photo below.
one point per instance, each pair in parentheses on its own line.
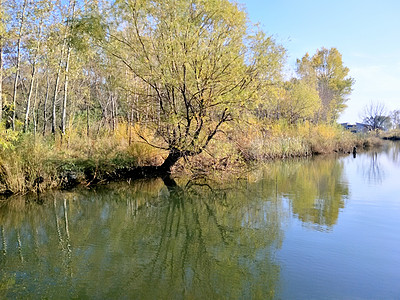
(304,229)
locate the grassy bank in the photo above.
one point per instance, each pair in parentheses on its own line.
(244,144)
(393,135)
(31,163)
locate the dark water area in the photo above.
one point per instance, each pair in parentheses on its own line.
(321,228)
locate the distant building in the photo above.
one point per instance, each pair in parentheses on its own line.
(356,128)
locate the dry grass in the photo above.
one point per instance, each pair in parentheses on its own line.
(27,160)
(280,140)
(24,158)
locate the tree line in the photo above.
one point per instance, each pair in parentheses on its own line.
(181,69)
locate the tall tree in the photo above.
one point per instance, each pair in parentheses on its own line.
(325,70)
(198,62)
(2,38)
(22,18)
(71,14)
(40,18)
(63,27)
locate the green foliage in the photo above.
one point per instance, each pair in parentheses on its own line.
(144,79)
(198,62)
(325,71)
(300,103)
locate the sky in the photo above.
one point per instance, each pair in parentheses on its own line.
(366,33)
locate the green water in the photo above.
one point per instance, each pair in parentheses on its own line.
(323,228)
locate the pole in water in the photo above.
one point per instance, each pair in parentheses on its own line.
(354,152)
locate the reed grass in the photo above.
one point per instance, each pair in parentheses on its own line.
(35,163)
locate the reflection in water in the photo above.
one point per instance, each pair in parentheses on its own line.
(316,190)
(189,240)
(395,152)
(373,172)
(192,242)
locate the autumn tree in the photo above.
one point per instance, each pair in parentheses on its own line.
(40,16)
(301,102)
(326,72)
(197,61)
(21,11)
(2,39)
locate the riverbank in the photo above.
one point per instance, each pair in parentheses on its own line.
(391,135)
(35,163)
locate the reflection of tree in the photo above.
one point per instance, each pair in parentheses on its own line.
(395,152)
(315,189)
(146,241)
(373,172)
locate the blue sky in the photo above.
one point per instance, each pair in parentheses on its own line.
(366,33)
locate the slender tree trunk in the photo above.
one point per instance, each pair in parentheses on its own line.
(46,99)
(54,106)
(2,23)
(36,113)
(87,117)
(113,113)
(28,102)
(64,106)
(17,71)
(66,81)
(137,107)
(54,117)
(1,77)
(130,124)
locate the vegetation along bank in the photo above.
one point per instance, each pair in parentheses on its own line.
(104,90)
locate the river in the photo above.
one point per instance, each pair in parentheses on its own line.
(320,228)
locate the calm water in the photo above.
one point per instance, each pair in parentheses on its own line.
(326,228)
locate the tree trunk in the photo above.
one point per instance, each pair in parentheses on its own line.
(87,117)
(53,116)
(17,71)
(130,124)
(113,113)
(54,124)
(28,102)
(173,157)
(1,77)
(1,63)
(46,99)
(64,106)
(36,113)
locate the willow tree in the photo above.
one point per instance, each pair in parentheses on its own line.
(198,59)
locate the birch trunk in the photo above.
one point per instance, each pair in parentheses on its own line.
(17,71)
